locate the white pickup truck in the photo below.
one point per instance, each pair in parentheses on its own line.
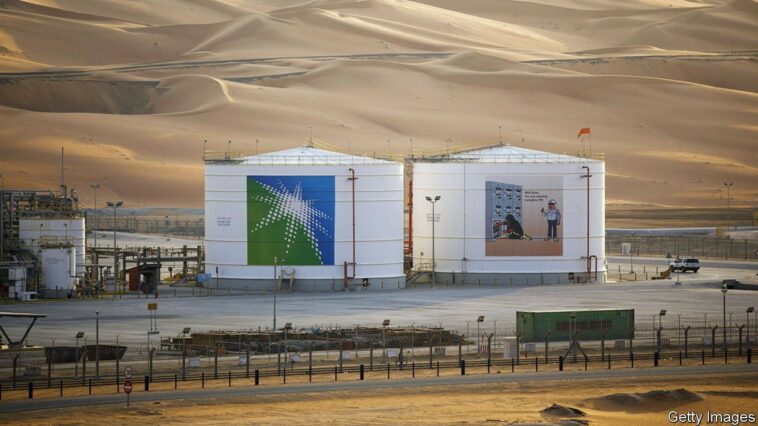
(685,265)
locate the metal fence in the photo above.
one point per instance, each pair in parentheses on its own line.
(686,339)
(700,246)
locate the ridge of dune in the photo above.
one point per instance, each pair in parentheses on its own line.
(192,94)
(732,26)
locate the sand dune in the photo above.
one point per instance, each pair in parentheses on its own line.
(673,108)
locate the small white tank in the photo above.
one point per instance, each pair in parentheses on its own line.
(33,231)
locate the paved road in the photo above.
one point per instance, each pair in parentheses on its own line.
(706,263)
(453,307)
(48,404)
(80,72)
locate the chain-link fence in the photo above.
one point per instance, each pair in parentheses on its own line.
(334,351)
(684,246)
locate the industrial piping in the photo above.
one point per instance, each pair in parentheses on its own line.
(589,261)
(352,179)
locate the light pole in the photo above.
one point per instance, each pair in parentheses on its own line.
(79,335)
(748,311)
(660,318)
(185,331)
(287,326)
(385,324)
(275,291)
(95,186)
(97,343)
(728,185)
(115,205)
(434,219)
(723,292)
(660,328)
(478,321)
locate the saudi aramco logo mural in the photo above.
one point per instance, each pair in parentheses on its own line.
(290,218)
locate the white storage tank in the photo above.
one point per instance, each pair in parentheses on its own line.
(58,267)
(33,231)
(316,220)
(509,215)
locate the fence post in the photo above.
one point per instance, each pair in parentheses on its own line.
(202,379)
(152,351)
(489,352)
(310,362)
(257,377)
(586,360)
(413,369)
(536,364)
(655,359)
(463,367)
(513,365)
(609,361)
(680,357)
(361,372)
(215,363)
(749,355)
(430,353)
(686,342)
(31,390)
(90,386)
(631,358)
(176,381)
(438,368)
(284,377)
(460,344)
(388,370)
(703,353)
(147,383)
(60,383)
(247,360)
(335,373)
(560,363)
(230,377)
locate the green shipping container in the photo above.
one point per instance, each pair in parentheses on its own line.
(616,324)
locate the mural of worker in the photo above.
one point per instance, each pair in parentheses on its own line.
(513,229)
(553,216)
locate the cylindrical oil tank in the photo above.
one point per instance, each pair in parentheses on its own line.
(58,267)
(306,219)
(33,231)
(509,215)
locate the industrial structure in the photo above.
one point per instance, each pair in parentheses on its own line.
(508,215)
(312,219)
(41,243)
(304,219)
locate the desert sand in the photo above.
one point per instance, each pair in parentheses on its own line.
(603,402)
(133,89)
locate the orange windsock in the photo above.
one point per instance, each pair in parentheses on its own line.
(584,131)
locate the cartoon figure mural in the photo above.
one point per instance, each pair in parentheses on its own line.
(513,229)
(515,211)
(553,216)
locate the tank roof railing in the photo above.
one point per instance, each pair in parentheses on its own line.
(449,153)
(511,158)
